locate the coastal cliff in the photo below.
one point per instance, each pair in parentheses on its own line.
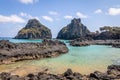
(73,30)
(12,52)
(34,30)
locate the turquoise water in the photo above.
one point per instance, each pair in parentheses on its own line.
(21,40)
(80,59)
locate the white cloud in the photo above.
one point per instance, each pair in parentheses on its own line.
(11,19)
(28,1)
(98,11)
(23,14)
(68,17)
(53,13)
(114,11)
(80,15)
(47,18)
(28,16)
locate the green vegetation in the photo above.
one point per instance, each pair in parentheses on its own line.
(34,30)
(111,29)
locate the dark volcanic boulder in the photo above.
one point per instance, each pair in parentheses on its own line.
(73,30)
(34,30)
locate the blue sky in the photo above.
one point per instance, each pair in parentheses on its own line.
(56,14)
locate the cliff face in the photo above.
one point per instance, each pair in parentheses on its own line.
(34,30)
(73,30)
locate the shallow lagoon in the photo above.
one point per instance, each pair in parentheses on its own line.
(79,59)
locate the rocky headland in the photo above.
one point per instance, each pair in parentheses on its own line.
(34,30)
(12,52)
(112,73)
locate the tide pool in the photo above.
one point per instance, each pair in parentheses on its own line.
(80,59)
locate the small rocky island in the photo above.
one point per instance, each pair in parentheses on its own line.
(73,30)
(113,73)
(34,30)
(12,52)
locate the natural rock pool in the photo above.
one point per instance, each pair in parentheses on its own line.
(79,59)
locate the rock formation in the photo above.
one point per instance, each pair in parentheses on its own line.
(107,32)
(83,41)
(113,73)
(88,41)
(34,30)
(73,30)
(12,52)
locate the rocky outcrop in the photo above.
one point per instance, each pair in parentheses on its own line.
(83,41)
(12,52)
(117,45)
(88,41)
(107,32)
(73,30)
(34,30)
(113,73)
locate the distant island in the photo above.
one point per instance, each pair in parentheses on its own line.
(34,30)
(73,30)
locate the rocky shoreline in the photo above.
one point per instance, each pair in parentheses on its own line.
(112,73)
(13,52)
(87,42)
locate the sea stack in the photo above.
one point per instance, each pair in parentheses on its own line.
(34,30)
(73,30)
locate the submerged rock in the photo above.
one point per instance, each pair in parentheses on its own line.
(12,52)
(73,30)
(34,30)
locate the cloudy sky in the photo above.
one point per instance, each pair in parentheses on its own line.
(56,14)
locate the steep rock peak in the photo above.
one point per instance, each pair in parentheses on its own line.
(73,30)
(34,30)
(33,23)
(76,21)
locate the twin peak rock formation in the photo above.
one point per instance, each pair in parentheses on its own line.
(35,30)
